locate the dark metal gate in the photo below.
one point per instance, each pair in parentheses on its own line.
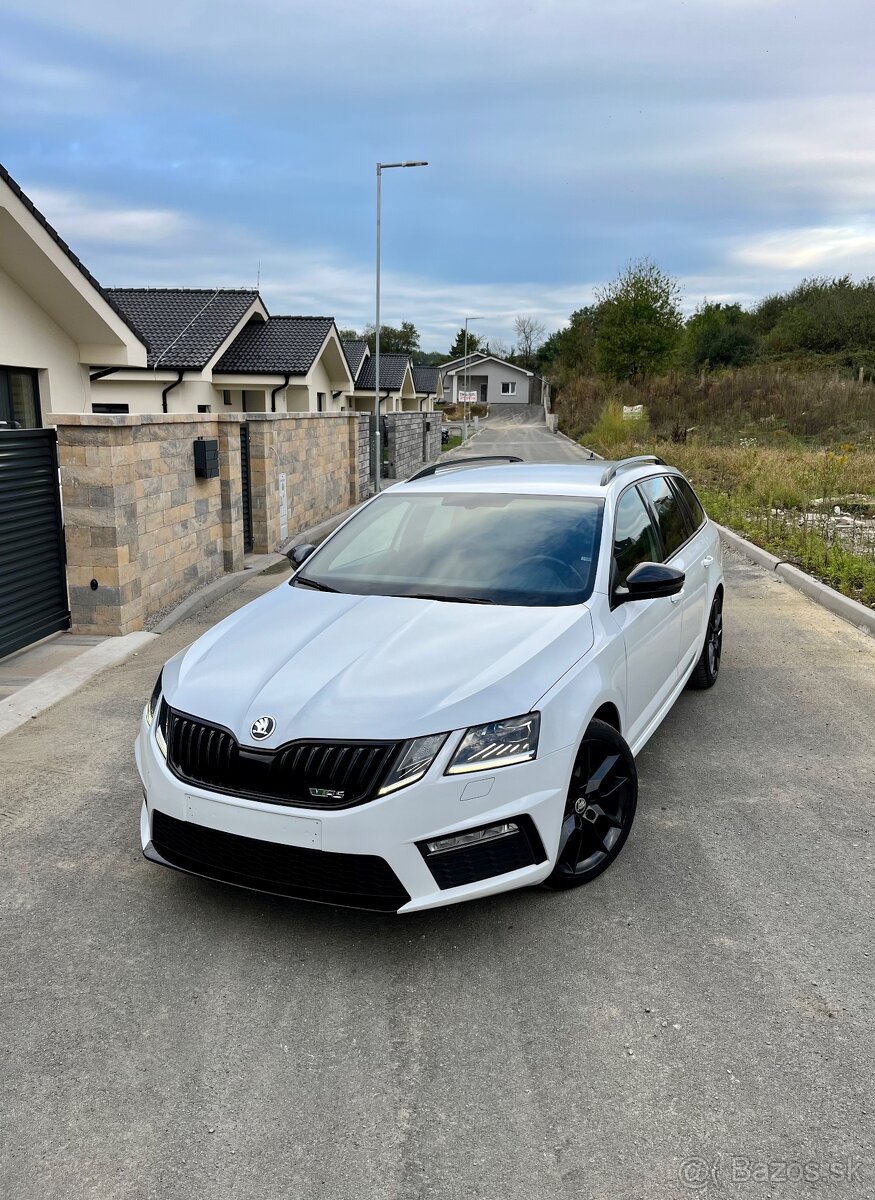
(247,489)
(33,578)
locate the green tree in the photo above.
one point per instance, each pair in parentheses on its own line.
(719,335)
(458,347)
(348,335)
(401,340)
(570,351)
(639,322)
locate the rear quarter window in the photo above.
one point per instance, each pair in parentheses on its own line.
(670,513)
(697,513)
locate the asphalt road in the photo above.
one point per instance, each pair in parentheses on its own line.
(709,998)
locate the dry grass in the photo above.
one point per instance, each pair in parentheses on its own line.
(769,404)
(769,495)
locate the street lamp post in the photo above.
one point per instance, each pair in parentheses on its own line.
(465,379)
(381,167)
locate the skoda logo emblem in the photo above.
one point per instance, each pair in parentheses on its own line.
(262,728)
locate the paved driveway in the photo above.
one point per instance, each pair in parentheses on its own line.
(708,998)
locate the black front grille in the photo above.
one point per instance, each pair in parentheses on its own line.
(356,880)
(211,757)
(452,868)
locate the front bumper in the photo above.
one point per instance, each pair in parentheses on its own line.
(390,829)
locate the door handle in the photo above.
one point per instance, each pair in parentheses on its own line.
(677,597)
(707,560)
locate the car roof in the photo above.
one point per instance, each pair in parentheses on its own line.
(525,478)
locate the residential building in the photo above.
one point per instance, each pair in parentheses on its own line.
(429,386)
(219,350)
(495,380)
(56,322)
(400,389)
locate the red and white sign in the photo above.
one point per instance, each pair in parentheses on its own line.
(468,397)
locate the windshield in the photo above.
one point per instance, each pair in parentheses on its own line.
(480,548)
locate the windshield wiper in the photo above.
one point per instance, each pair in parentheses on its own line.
(313,583)
(451,599)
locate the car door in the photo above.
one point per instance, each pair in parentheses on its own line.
(685,543)
(651,629)
(700,559)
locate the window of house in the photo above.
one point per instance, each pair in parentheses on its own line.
(110,408)
(19,399)
(320,402)
(508,389)
(226,395)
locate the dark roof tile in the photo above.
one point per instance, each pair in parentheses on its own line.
(356,352)
(184,326)
(392,368)
(425,378)
(276,346)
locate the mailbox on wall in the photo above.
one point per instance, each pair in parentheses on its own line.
(206,458)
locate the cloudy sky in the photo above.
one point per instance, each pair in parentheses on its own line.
(188,142)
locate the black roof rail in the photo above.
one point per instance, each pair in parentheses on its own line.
(636,461)
(454,463)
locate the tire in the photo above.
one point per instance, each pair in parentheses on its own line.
(706,670)
(600,808)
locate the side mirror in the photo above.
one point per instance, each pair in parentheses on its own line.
(298,555)
(649,581)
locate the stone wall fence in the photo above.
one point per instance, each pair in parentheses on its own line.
(143,531)
(414,439)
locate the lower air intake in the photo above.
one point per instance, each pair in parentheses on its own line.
(354,880)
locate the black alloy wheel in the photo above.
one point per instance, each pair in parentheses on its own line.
(600,808)
(706,669)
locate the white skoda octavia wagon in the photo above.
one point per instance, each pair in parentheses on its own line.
(446,698)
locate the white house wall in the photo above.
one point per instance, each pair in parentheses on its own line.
(30,338)
(495,373)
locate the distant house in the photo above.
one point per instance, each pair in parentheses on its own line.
(219,350)
(57,324)
(401,390)
(429,386)
(495,380)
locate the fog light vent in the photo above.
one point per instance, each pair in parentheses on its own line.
(472,837)
(475,854)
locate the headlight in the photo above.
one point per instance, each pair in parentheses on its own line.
(161,727)
(412,763)
(499,744)
(152,706)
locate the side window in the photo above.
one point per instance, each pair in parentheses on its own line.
(696,511)
(634,536)
(669,513)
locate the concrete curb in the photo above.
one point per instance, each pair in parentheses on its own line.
(56,685)
(211,592)
(761,557)
(821,593)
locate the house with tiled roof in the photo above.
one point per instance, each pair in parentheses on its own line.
(399,391)
(219,350)
(57,324)
(494,379)
(429,385)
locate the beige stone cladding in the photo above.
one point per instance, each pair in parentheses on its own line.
(317,454)
(141,530)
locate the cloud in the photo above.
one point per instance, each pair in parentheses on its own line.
(83,219)
(834,249)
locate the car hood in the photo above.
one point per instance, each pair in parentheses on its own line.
(327,665)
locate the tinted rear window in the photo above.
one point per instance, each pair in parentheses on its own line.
(670,514)
(697,513)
